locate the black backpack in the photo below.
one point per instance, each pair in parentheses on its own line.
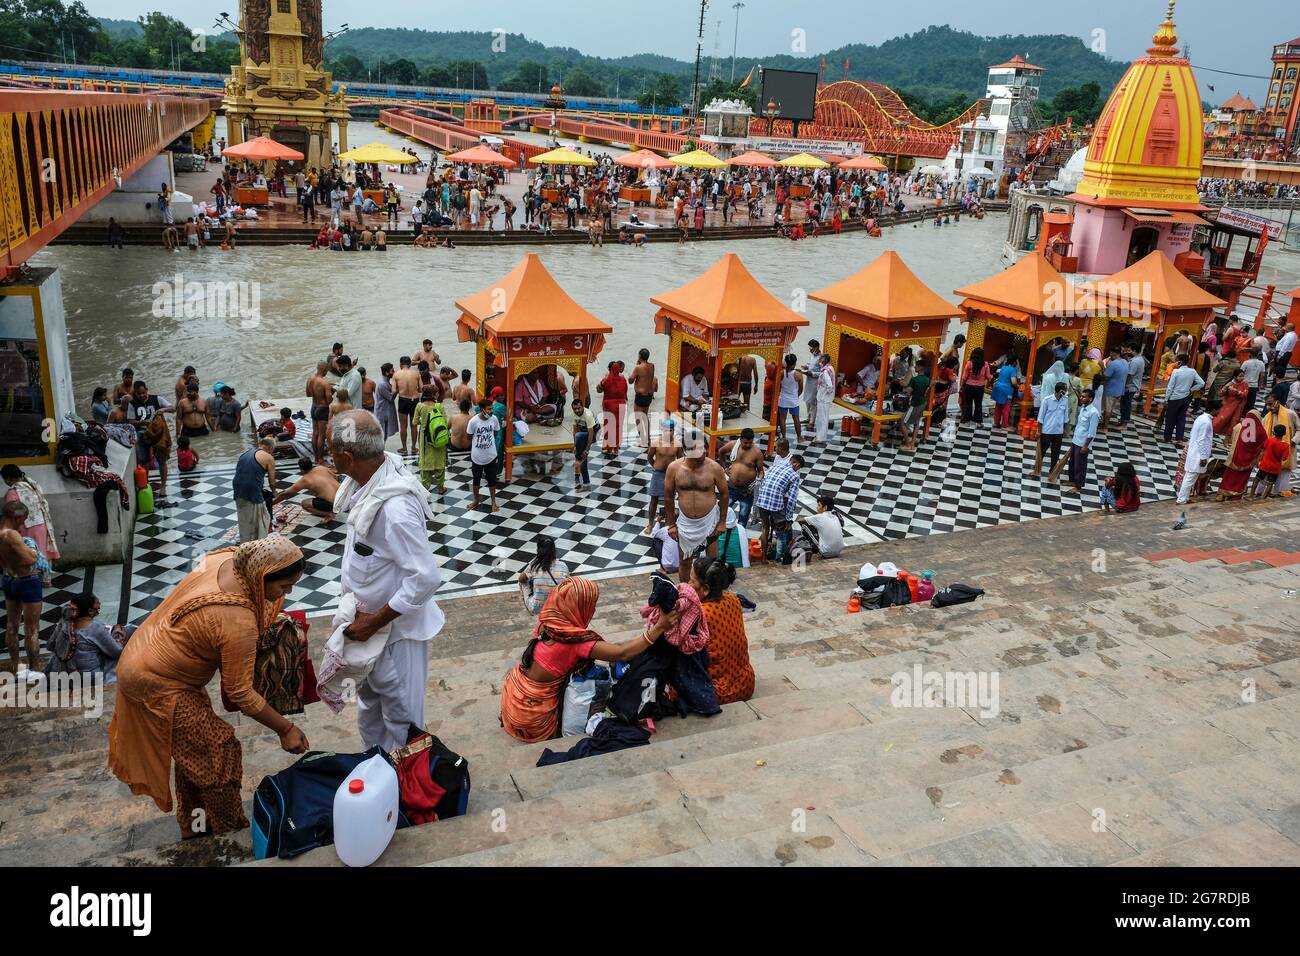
(293,810)
(955,594)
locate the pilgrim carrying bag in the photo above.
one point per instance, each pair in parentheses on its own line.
(293,810)
(433,782)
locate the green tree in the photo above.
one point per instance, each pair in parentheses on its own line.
(723,90)
(578,82)
(402,72)
(662,91)
(347,67)
(467,75)
(435,75)
(529,77)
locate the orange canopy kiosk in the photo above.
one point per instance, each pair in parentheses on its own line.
(1153,301)
(714,321)
(1020,311)
(877,313)
(523,323)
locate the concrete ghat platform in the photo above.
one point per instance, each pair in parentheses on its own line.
(1144,683)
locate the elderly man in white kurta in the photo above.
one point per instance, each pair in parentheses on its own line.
(388,566)
(1200,449)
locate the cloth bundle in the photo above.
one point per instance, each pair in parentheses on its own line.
(345,660)
(691,633)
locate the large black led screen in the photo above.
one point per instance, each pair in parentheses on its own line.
(793,91)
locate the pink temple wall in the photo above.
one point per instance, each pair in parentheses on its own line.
(1101,238)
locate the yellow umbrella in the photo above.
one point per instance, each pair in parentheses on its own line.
(805,161)
(562,157)
(377,153)
(698,159)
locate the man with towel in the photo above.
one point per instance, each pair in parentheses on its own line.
(695,500)
(388,567)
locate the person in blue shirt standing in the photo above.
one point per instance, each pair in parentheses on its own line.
(1114,381)
(1053,411)
(1085,430)
(1183,381)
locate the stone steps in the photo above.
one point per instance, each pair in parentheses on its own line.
(1119,691)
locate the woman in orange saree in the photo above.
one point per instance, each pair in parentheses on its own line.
(210,621)
(1245,446)
(1234,404)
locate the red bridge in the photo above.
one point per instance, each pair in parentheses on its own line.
(61,153)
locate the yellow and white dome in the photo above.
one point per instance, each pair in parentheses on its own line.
(1147,144)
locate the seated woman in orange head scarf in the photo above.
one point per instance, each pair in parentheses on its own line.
(563,642)
(211,621)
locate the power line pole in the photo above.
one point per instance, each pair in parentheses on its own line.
(737,6)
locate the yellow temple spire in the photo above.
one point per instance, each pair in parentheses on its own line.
(1165,39)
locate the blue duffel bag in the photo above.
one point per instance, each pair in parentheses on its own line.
(293,810)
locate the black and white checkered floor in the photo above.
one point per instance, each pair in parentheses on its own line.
(963,477)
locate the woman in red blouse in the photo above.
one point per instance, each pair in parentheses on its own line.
(613,388)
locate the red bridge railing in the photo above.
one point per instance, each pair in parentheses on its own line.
(61,153)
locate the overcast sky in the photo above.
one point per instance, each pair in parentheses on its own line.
(1236,36)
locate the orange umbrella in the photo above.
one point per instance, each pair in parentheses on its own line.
(261,147)
(752,159)
(644,159)
(482,155)
(864,162)
(833,159)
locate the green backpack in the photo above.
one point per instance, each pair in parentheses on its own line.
(439,433)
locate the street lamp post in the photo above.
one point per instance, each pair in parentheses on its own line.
(737,6)
(770,111)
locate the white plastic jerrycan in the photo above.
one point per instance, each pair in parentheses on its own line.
(365,812)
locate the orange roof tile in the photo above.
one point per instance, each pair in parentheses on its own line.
(886,289)
(1017,62)
(1032,285)
(528,301)
(1169,288)
(728,296)
(1238,102)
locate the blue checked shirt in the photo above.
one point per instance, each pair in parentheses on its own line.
(780,489)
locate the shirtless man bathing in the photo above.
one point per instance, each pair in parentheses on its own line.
(193,413)
(320,483)
(695,501)
(321,392)
(644,385)
(406,382)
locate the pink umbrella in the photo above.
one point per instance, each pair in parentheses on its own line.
(644,159)
(869,163)
(261,147)
(752,159)
(483,156)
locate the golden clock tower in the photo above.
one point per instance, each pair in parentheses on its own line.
(280,89)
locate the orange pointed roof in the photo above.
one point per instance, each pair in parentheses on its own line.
(886,289)
(1017,62)
(1167,289)
(1238,102)
(527,301)
(1033,286)
(728,296)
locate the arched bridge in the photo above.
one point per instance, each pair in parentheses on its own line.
(61,153)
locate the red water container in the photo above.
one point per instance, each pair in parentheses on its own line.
(141,476)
